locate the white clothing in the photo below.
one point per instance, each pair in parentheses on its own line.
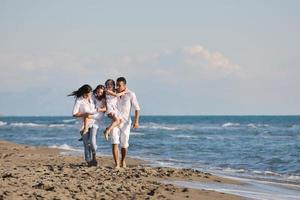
(125,103)
(111,105)
(120,135)
(82,105)
(99,115)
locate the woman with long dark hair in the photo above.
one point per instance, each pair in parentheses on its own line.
(84,107)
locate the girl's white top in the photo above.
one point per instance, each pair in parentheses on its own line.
(111,105)
(99,115)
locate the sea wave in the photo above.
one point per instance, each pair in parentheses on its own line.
(184,136)
(246,171)
(136,133)
(270,173)
(159,126)
(296,126)
(263,125)
(64,147)
(58,125)
(69,120)
(3,123)
(234,170)
(294,177)
(189,127)
(252,125)
(21,124)
(229,124)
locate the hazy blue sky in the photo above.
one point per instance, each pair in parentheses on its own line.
(180,57)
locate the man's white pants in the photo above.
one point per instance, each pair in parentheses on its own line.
(120,135)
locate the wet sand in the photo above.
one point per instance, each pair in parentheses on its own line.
(43,173)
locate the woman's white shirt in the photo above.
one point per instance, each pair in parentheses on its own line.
(82,105)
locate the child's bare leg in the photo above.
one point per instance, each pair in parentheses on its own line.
(115,122)
(86,122)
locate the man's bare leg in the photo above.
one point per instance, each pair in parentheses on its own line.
(115,151)
(124,152)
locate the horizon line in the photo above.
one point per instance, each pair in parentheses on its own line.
(171,115)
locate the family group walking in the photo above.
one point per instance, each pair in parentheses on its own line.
(114,100)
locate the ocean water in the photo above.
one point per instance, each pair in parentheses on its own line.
(256,147)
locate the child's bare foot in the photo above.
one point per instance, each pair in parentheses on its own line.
(105,133)
(117,167)
(81,134)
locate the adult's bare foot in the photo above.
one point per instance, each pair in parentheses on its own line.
(123,165)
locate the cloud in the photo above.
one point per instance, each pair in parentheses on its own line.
(195,54)
(185,65)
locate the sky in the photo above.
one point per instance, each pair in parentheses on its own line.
(197,57)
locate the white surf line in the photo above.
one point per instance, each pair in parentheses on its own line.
(251,189)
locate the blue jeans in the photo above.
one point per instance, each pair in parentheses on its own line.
(89,143)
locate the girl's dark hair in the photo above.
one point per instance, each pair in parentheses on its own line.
(85,89)
(97,88)
(110,82)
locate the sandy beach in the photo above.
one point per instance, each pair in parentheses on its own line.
(43,173)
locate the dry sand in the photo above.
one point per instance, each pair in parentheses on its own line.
(43,173)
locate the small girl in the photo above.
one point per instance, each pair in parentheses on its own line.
(111,106)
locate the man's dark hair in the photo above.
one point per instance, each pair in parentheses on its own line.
(121,79)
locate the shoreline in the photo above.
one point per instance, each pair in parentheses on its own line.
(43,173)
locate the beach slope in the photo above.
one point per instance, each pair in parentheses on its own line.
(43,173)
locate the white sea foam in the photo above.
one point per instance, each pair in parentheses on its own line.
(294,177)
(183,136)
(59,125)
(229,124)
(136,133)
(68,120)
(21,124)
(159,126)
(257,172)
(3,123)
(56,125)
(266,173)
(296,126)
(271,173)
(64,147)
(263,125)
(234,170)
(253,189)
(252,126)
(165,128)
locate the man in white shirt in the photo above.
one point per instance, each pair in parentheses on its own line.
(120,134)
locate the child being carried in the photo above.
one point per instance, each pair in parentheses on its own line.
(111,105)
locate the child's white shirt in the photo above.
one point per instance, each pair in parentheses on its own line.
(111,104)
